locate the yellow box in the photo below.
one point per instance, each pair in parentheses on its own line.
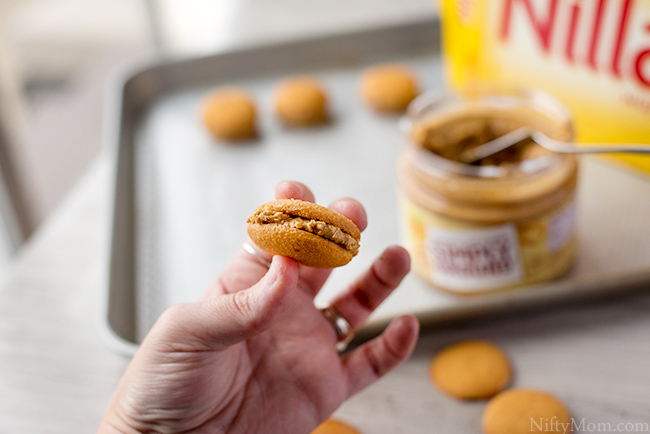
(593,55)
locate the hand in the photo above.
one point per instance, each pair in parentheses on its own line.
(254,355)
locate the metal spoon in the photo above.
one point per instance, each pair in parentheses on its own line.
(516,136)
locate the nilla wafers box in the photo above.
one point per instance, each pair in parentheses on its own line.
(593,55)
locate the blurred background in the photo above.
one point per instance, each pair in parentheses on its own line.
(57,56)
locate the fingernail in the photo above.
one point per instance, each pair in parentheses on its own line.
(302,190)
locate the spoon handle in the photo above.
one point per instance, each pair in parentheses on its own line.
(588,148)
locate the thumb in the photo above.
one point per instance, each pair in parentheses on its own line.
(219,322)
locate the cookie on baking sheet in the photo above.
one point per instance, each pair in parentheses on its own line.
(230,114)
(333,426)
(471,370)
(520,411)
(388,87)
(311,234)
(301,101)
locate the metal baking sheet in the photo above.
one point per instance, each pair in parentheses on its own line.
(181,200)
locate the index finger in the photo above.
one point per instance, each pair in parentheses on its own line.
(313,279)
(293,190)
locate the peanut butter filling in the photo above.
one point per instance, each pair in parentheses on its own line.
(450,136)
(316,227)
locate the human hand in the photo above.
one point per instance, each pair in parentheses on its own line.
(255,355)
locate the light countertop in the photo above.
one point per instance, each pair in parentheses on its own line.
(56,375)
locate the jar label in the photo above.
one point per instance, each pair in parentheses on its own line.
(476,258)
(467,258)
(561,227)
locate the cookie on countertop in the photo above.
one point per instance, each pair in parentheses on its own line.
(311,234)
(333,426)
(230,114)
(471,370)
(388,87)
(301,101)
(520,411)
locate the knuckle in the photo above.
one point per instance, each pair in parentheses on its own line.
(383,357)
(394,353)
(241,304)
(364,300)
(375,362)
(172,316)
(171,331)
(244,312)
(384,277)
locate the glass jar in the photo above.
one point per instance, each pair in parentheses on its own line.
(504,222)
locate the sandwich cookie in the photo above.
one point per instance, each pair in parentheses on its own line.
(311,234)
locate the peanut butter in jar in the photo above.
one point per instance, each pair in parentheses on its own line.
(505,221)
